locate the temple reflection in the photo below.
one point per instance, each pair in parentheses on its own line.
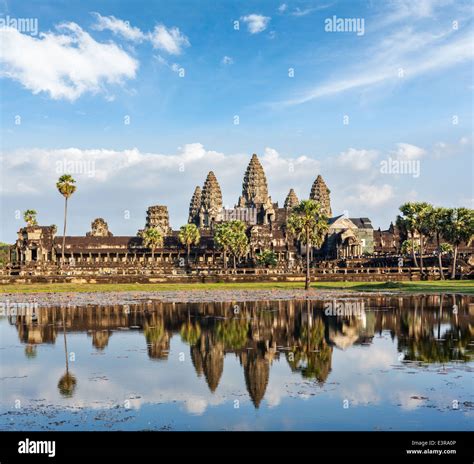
(427,329)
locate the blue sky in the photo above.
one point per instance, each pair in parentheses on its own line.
(180,72)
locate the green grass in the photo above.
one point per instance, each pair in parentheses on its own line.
(421,287)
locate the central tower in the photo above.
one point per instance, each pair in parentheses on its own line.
(255,192)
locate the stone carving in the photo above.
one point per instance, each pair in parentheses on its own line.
(194,206)
(320,193)
(291,200)
(210,211)
(99,228)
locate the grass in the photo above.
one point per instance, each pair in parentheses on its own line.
(463,286)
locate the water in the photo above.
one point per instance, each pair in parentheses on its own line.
(379,363)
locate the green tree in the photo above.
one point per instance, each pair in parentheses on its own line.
(189,235)
(309,225)
(423,226)
(238,245)
(408,222)
(222,238)
(267,258)
(152,239)
(408,246)
(66,188)
(30,217)
(437,224)
(459,228)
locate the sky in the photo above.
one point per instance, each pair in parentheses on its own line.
(139,100)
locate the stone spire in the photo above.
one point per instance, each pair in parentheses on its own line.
(194,206)
(291,199)
(99,228)
(157,216)
(211,202)
(320,193)
(254,186)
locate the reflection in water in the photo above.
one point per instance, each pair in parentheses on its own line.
(427,329)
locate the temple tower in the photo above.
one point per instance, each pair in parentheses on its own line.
(157,216)
(211,202)
(320,193)
(99,228)
(291,200)
(194,206)
(255,191)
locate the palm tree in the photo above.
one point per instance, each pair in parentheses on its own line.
(189,235)
(30,217)
(222,238)
(459,228)
(437,222)
(66,188)
(408,222)
(152,238)
(239,241)
(309,225)
(423,226)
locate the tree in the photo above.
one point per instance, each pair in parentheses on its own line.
(459,228)
(309,225)
(189,235)
(408,246)
(437,223)
(152,239)
(222,238)
(423,226)
(30,217)
(66,188)
(267,258)
(238,245)
(408,223)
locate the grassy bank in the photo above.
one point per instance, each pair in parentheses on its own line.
(422,287)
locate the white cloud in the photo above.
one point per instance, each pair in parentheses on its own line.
(406,151)
(282,8)
(170,40)
(371,195)
(358,160)
(118,27)
(256,23)
(65,65)
(227,60)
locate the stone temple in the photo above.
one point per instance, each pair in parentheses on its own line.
(37,250)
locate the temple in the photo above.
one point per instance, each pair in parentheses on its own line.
(38,249)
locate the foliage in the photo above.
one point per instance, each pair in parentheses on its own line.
(65,185)
(307,223)
(408,245)
(189,235)
(267,258)
(233,333)
(152,239)
(30,217)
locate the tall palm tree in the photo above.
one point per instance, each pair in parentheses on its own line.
(152,238)
(423,226)
(30,217)
(408,222)
(437,223)
(239,241)
(309,225)
(66,188)
(459,228)
(189,235)
(222,238)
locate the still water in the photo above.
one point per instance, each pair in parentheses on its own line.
(378,363)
